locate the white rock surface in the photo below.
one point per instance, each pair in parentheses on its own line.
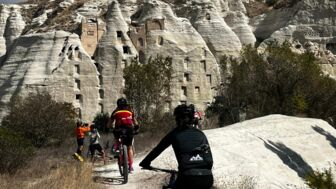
(49,64)
(274,151)
(11,26)
(111,57)
(183,43)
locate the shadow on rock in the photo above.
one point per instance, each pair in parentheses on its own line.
(328,136)
(289,157)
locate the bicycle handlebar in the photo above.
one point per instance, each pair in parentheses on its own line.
(171,171)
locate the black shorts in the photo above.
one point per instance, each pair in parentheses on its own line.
(80,141)
(94,147)
(194,181)
(128,141)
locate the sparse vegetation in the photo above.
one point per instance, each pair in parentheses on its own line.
(40,119)
(147,87)
(324,179)
(278,81)
(61,18)
(100,121)
(15,151)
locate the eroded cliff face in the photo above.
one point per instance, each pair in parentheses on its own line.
(84,66)
(54,62)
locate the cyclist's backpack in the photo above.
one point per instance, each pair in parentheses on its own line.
(199,158)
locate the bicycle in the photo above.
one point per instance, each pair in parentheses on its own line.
(173,175)
(123,156)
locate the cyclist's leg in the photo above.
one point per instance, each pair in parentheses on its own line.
(116,135)
(80,143)
(129,142)
(92,151)
(102,152)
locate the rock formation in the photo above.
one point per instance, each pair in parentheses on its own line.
(54,62)
(195,33)
(274,151)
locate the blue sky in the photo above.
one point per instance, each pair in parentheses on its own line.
(10,1)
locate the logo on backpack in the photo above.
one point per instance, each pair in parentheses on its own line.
(196,158)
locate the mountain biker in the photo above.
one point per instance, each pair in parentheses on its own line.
(81,129)
(191,149)
(95,145)
(197,117)
(124,119)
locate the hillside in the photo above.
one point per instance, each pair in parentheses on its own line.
(77,49)
(275,151)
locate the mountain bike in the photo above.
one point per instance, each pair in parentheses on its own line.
(122,155)
(169,184)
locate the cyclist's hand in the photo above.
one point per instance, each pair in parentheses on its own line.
(145,165)
(136,129)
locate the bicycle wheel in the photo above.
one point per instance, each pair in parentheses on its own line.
(120,160)
(125,165)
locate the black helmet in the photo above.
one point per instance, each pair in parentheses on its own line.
(184,112)
(121,102)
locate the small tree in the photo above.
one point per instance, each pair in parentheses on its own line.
(15,151)
(278,81)
(40,119)
(100,121)
(147,87)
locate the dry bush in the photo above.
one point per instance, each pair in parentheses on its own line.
(210,122)
(15,151)
(40,119)
(61,176)
(52,168)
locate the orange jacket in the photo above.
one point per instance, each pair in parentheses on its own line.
(80,131)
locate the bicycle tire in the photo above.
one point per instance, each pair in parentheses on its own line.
(125,164)
(120,161)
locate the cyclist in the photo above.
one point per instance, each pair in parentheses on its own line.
(191,149)
(124,119)
(95,145)
(197,117)
(81,129)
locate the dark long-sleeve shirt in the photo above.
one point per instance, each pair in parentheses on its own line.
(184,141)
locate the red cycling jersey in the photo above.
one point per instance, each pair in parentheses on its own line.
(123,117)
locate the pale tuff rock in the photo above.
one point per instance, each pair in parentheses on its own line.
(274,151)
(4,14)
(311,25)
(196,69)
(219,37)
(40,20)
(238,22)
(114,50)
(54,62)
(11,26)
(195,33)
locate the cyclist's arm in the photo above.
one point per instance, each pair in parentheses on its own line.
(164,143)
(110,122)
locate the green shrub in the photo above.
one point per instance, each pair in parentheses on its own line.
(278,81)
(321,179)
(147,87)
(100,121)
(41,119)
(15,151)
